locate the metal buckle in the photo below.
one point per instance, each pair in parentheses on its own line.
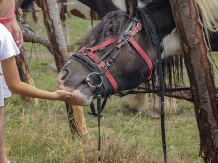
(100,67)
(88,80)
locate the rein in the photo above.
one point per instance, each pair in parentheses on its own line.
(161,83)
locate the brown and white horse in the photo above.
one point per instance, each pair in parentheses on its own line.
(172,46)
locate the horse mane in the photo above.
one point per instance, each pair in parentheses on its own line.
(146,16)
(209,14)
(99,31)
(172,65)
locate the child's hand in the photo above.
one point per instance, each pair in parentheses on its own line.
(1,73)
(17,33)
(63,95)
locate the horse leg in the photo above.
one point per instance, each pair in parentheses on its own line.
(154,109)
(136,102)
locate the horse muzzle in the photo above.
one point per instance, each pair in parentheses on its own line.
(82,94)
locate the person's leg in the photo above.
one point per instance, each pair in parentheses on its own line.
(34,7)
(3,158)
(4,94)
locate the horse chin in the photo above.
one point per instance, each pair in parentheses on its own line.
(82,96)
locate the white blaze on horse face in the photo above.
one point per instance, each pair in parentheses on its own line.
(171,44)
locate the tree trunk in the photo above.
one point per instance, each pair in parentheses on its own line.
(59,49)
(200,74)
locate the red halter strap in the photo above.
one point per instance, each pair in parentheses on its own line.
(101,65)
(141,52)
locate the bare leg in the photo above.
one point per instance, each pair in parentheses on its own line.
(3,158)
(25,16)
(34,7)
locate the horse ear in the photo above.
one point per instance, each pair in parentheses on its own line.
(131,7)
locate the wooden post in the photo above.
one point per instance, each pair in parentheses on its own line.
(59,49)
(200,74)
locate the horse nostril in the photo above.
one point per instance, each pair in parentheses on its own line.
(63,74)
(61,78)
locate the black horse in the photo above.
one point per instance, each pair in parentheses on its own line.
(118,54)
(99,6)
(161,10)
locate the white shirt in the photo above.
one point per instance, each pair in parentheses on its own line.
(8,47)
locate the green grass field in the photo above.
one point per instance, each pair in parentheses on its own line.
(41,134)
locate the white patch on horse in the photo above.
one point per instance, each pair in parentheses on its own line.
(171,44)
(119,4)
(136,102)
(150,106)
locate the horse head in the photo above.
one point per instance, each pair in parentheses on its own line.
(118,54)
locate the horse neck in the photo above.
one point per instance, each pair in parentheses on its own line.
(164,18)
(102,8)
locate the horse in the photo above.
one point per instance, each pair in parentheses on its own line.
(163,15)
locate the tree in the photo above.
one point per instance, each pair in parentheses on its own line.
(200,74)
(60,52)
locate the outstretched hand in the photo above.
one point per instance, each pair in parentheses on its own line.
(63,95)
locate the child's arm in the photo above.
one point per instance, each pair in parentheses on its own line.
(15,85)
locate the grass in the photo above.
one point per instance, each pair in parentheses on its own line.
(41,134)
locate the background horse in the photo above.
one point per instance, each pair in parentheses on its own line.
(172,46)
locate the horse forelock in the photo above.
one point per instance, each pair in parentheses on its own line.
(117,18)
(98,33)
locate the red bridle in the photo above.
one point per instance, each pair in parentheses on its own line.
(94,57)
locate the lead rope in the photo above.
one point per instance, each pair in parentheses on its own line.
(161,83)
(98,92)
(160,69)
